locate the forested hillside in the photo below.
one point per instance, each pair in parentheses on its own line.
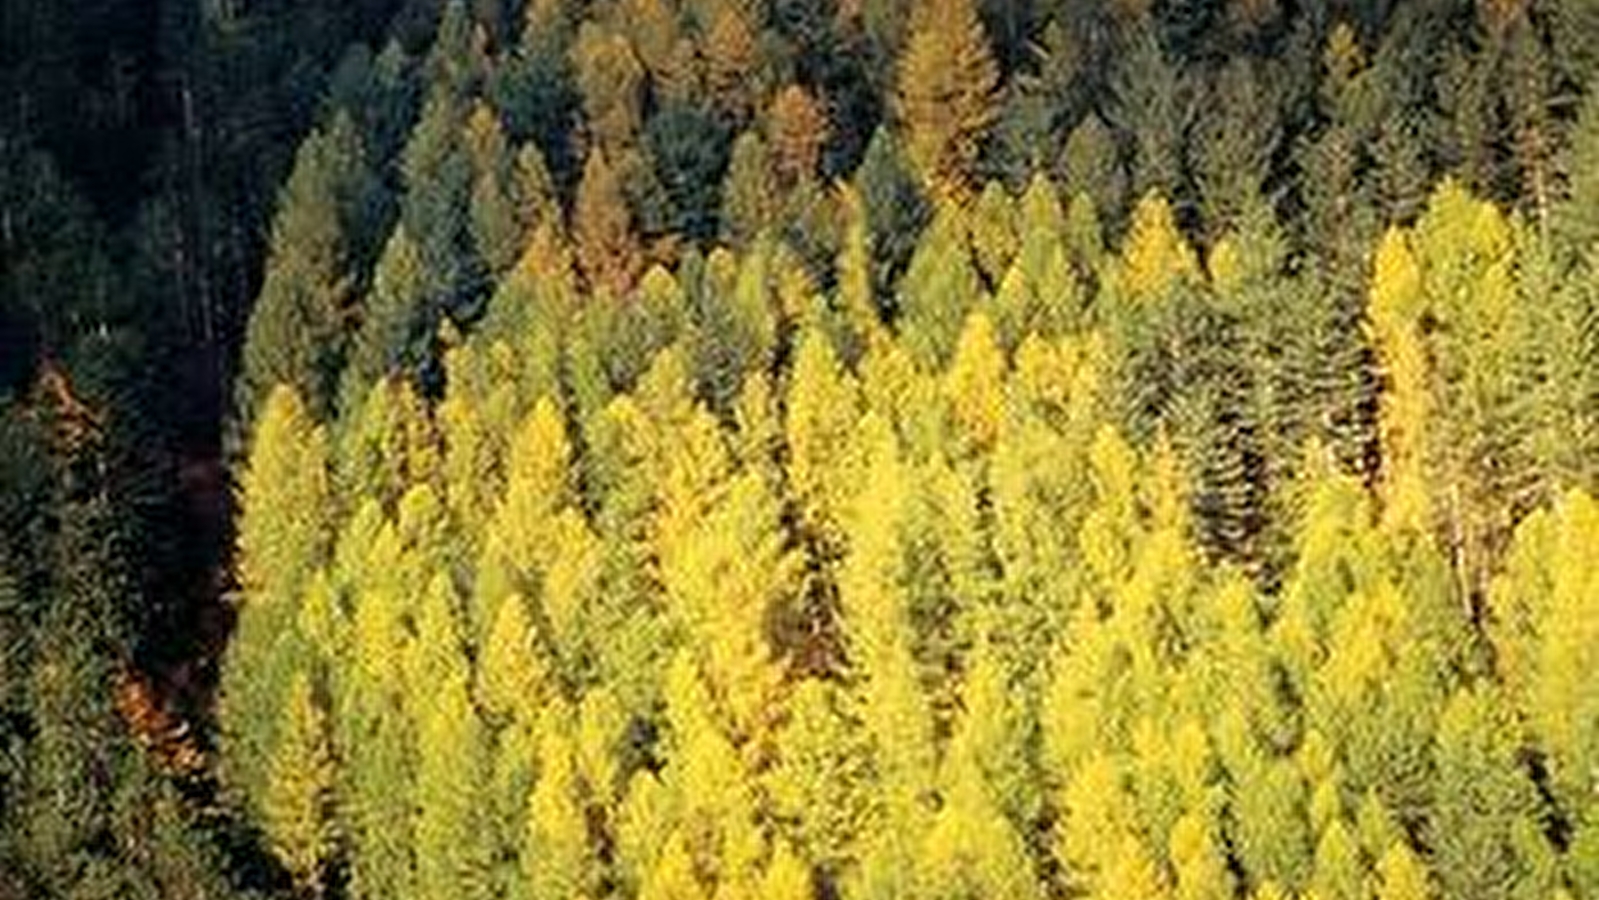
(807,449)
(932,449)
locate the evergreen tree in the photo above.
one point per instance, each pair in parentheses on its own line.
(435,210)
(1091,166)
(296,332)
(749,196)
(1483,796)
(1155,108)
(499,216)
(896,212)
(1235,146)
(385,341)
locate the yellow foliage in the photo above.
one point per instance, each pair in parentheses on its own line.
(1111,527)
(1397,301)
(571,580)
(1198,860)
(855,290)
(786,878)
(557,855)
(299,792)
(1098,821)
(971,848)
(672,876)
(1155,256)
(1343,57)
(1544,625)
(726,577)
(1226,265)
(817,783)
(284,494)
(513,681)
(1401,875)
(975,384)
(1396,288)
(823,407)
(1129,873)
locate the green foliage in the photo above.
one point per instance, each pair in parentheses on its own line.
(297,328)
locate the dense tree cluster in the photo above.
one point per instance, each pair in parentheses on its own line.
(861,448)
(933,450)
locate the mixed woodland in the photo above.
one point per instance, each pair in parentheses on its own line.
(800,449)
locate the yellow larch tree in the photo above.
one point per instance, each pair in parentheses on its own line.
(1198,859)
(512,682)
(995,232)
(539,480)
(1098,825)
(823,405)
(1039,493)
(522,541)
(786,877)
(818,783)
(1339,872)
(975,385)
(1395,311)
(1130,873)
(728,577)
(873,595)
(558,860)
(514,690)
(1038,293)
(284,495)
(387,445)
(284,537)
(971,847)
(856,291)
(1155,256)
(1401,875)
(452,857)
(298,805)
(475,422)
(672,876)
(706,797)
(1544,614)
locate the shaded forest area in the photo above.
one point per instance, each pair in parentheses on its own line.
(141,149)
(800,449)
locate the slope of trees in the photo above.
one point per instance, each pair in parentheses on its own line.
(884,448)
(1199,508)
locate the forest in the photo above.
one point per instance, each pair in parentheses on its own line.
(799,449)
